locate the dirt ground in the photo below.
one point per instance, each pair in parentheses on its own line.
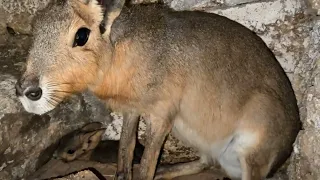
(56,169)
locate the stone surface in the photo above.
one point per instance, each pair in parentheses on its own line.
(18,14)
(180,5)
(82,175)
(315,5)
(306,161)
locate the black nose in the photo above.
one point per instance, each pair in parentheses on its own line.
(34,93)
(29,88)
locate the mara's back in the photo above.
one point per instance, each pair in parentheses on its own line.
(223,55)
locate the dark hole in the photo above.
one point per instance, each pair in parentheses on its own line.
(10,30)
(71,151)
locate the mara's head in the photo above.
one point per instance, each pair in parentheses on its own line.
(79,143)
(69,43)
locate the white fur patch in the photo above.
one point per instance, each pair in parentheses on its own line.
(42,105)
(236,145)
(225,151)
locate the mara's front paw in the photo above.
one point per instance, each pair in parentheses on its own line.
(120,176)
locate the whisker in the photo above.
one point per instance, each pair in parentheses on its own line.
(52,83)
(49,101)
(65,83)
(56,98)
(60,91)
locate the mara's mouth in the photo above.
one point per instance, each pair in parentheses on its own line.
(52,94)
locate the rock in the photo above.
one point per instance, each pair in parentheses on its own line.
(144,1)
(8,101)
(238,2)
(18,14)
(175,151)
(180,5)
(82,175)
(306,164)
(315,5)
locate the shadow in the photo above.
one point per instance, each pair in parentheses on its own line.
(46,155)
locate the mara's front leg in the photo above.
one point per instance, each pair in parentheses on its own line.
(126,146)
(157,130)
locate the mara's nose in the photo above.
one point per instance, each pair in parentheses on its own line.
(28,88)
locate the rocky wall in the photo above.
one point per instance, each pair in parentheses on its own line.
(290,28)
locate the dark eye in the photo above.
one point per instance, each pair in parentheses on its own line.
(81,37)
(70,151)
(89,141)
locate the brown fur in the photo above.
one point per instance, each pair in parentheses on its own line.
(81,142)
(117,84)
(87,144)
(210,80)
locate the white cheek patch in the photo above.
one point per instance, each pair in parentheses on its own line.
(41,106)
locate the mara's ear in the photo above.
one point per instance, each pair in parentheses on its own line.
(88,10)
(91,126)
(112,9)
(103,11)
(92,139)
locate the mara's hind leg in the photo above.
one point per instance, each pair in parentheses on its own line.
(172,171)
(250,169)
(266,135)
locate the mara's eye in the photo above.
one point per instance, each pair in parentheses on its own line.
(89,141)
(81,37)
(70,151)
